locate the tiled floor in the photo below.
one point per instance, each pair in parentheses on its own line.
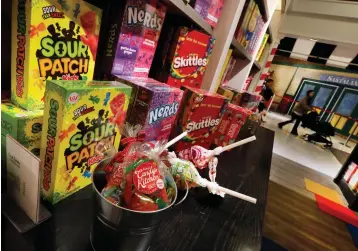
(300,151)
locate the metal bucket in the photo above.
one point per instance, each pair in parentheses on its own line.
(115,228)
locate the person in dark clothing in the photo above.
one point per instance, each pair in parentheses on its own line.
(302,108)
(266,94)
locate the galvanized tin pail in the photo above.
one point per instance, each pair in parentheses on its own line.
(115,228)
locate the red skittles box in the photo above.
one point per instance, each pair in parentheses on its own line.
(188,58)
(231,123)
(200,116)
(154,106)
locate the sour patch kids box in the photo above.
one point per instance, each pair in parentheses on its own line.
(78,116)
(51,40)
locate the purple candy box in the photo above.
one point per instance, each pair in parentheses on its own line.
(132,47)
(153,105)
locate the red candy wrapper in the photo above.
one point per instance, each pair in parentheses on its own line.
(137,180)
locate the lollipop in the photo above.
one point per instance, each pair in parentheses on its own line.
(203,158)
(184,171)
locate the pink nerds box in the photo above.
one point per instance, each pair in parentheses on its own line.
(153,105)
(133,35)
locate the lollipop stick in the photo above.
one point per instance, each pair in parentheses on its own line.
(237,195)
(176,139)
(214,186)
(239,143)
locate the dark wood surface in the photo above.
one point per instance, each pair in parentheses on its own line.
(292,217)
(201,222)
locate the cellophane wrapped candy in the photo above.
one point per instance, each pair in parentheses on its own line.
(138,179)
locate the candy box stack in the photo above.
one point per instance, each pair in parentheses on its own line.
(231,123)
(187,59)
(52,40)
(200,115)
(24,126)
(78,116)
(132,37)
(154,106)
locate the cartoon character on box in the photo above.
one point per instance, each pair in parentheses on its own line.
(78,116)
(200,115)
(190,58)
(130,49)
(231,123)
(52,40)
(154,106)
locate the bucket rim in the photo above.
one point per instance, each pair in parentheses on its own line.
(123,208)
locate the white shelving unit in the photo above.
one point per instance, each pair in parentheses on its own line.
(224,35)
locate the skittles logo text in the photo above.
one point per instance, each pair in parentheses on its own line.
(63,54)
(180,62)
(193,126)
(82,150)
(51,142)
(21,42)
(149,20)
(163,112)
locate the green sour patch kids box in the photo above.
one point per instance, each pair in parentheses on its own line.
(78,115)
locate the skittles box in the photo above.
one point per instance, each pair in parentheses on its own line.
(24,126)
(188,58)
(200,115)
(231,123)
(78,117)
(154,106)
(132,37)
(51,40)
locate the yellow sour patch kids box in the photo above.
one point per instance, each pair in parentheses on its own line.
(78,115)
(52,40)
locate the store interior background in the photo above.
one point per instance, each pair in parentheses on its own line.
(306,54)
(314,38)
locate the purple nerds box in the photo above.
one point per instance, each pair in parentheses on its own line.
(153,105)
(132,38)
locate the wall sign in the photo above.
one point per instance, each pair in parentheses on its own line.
(340,80)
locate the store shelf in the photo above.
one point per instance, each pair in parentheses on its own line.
(269,31)
(257,65)
(239,51)
(180,7)
(263,9)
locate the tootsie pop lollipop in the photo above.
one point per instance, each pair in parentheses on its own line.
(203,158)
(185,171)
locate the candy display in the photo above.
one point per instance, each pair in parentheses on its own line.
(184,172)
(51,40)
(204,158)
(154,106)
(133,35)
(78,116)
(138,181)
(200,115)
(24,126)
(188,58)
(231,123)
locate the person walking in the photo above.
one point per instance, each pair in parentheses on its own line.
(300,109)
